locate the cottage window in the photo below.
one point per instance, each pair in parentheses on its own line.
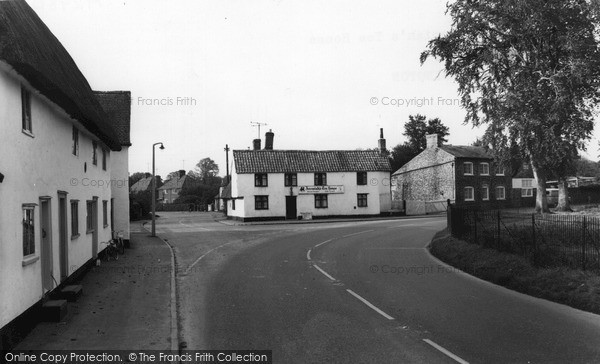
(75,141)
(320,201)
(500,193)
(28,230)
(484,169)
(260,180)
(361,178)
(104,153)
(527,192)
(526,183)
(94,153)
(469,194)
(361,200)
(290,179)
(261,202)
(26,110)
(320,179)
(233,204)
(468,168)
(89,218)
(485,193)
(74,218)
(105,213)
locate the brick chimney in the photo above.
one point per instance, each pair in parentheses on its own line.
(432,141)
(381,143)
(269,140)
(181,173)
(256,144)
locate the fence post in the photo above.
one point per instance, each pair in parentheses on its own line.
(534,246)
(583,243)
(498,240)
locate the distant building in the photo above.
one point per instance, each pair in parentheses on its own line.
(63,171)
(144,184)
(171,189)
(466,175)
(293,184)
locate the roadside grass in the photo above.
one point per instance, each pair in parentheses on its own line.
(576,288)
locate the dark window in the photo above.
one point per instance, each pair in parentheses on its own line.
(28,231)
(291,179)
(361,200)
(233,204)
(260,180)
(361,178)
(26,110)
(104,153)
(94,153)
(320,179)
(89,218)
(468,168)
(261,202)
(75,143)
(74,218)
(321,201)
(105,213)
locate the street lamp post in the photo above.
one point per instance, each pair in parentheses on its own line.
(154,189)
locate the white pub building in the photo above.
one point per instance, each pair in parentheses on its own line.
(305,184)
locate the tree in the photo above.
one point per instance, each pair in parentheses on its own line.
(530,71)
(416,130)
(174,174)
(135,177)
(207,168)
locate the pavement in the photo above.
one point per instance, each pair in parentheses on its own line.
(126,304)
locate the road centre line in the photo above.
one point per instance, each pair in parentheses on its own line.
(323,272)
(372,306)
(446,352)
(360,232)
(189,268)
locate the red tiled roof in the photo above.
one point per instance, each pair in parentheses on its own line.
(300,161)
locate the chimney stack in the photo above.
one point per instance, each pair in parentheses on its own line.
(432,141)
(269,140)
(381,143)
(181,173)
(256,144)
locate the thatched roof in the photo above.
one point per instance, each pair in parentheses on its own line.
(30,48)
(117,105)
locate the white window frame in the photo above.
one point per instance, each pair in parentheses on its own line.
(526,192)
(486,196)
(28,218)
(503,189)
(472,193)
(465,164)
(499,170)
(527,183)
(483,167)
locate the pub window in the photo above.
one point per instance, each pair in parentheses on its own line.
(261,202)
(361,200)
(361,178)
(320,201)
(290,179)
(260,180)
(320,179)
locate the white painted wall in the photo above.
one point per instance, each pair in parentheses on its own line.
(41,166)
(119,170)
(377,188)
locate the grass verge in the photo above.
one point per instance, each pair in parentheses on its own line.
(576,288)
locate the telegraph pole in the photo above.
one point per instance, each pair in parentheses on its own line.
(227,161)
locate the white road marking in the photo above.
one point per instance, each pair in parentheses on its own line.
(370,304)
(360,232)
(326,241)
(189,268)
(324,273)
(446,352)
(308,254)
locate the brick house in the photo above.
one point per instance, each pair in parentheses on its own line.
(466,175)
(171,189)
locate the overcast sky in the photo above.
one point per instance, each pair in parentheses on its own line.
(321,74)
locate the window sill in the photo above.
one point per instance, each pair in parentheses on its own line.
(28,260)
(472,199)
(28,133)
(73,237)
(105,226)
(90,231)
(468,174)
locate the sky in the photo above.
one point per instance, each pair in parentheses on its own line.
(321,75)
